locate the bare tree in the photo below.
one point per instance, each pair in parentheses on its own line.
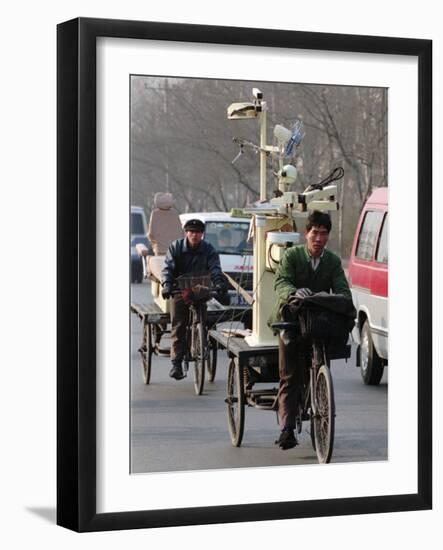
(181,141)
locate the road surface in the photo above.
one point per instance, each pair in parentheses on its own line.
(173,429)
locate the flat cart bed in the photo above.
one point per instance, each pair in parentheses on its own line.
(236,346)
(257,365)
(156,323)
(151,312)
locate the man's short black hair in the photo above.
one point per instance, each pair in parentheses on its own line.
(317,219)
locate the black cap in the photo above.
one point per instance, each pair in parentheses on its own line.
(194,225)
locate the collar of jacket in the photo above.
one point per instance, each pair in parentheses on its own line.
(308,255)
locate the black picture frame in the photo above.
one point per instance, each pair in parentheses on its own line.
(76,278)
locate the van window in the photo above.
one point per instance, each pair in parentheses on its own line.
(368,235)
(382,251)
(137,227)
(229,237)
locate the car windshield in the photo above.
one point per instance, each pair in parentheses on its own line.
(229,237)
(137,223)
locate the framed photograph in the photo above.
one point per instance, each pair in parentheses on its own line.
(161,117)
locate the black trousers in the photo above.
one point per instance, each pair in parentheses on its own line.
(179,320)
(292,368)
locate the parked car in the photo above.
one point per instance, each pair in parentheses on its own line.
(228,235)
(138,235)
(368,278)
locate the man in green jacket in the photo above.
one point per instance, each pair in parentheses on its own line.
(303,270)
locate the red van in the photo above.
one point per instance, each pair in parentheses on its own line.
(368,278)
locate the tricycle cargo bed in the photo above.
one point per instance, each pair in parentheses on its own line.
(217,313)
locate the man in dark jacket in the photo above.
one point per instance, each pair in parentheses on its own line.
(304,270)
(185,256)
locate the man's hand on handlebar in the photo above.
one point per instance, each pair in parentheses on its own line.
(302,293)
(222,295)
(166,291)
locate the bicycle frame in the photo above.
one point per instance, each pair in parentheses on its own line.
(196,343)
(197,314)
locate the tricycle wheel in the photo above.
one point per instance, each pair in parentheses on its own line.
(200,357)
(146,353)
(312,433)
(235,401)
(211,359)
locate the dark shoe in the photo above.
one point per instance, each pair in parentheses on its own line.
(176,371)
(287,439)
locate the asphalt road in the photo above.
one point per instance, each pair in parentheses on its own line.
(173,429)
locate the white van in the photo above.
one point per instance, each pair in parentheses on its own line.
(228,235)
(368,277)
(139,230)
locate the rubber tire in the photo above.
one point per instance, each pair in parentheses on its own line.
(371,366)
(312,433)
(211,359)
(200,359)
(325,413)
(147,356)
(235,401)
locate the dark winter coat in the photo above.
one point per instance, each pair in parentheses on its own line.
(181,259)
(295,271)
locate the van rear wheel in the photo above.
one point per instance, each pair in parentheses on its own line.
(371,366)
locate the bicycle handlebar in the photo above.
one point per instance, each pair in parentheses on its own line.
(214,290)
(211,293)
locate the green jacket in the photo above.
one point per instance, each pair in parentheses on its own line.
(295,271)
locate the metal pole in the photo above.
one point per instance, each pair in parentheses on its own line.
(263,131)
(261,334)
